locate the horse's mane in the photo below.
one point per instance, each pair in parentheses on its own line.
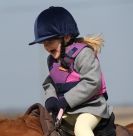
(26,124)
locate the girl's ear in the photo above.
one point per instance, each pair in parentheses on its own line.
(67,38)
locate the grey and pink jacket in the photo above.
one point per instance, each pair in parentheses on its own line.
(65,79)
(82,85)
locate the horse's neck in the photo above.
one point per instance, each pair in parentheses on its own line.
(33,122)
(20,126)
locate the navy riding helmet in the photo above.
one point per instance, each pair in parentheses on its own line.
(54,22)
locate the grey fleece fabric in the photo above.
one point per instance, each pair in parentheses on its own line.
(87,65)
(49,90)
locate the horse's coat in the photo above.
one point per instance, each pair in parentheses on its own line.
(130,127)
(27,125)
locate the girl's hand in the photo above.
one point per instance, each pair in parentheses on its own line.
(53,104)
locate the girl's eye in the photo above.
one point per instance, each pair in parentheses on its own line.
(47,43)
(50,41)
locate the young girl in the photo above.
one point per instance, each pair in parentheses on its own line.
(75,82)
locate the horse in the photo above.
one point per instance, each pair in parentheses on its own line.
(38,122)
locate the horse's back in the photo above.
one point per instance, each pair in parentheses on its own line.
(122,131)
(130,127)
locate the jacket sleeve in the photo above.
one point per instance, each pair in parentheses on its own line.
(87,65)
(49,89)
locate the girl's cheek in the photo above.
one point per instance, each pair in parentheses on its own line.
(56,55)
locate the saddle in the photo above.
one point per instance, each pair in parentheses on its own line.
(106,127)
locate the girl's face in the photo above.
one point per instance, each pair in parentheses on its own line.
(53,46)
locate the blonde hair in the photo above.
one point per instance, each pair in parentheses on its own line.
(95,41)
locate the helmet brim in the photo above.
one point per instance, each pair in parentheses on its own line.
(43,39)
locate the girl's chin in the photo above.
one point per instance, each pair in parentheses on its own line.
(55,56)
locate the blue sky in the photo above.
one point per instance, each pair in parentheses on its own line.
(23,68)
